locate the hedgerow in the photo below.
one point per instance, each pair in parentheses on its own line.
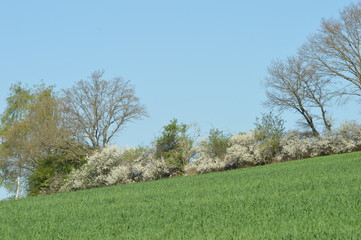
(112,166)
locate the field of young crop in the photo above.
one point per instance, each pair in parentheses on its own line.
(316,198)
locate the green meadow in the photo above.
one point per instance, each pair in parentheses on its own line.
(317,198)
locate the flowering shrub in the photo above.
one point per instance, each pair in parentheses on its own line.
(294,146)
(346,139)
(77,179)
(119,174)
(204,164)
(244,151)
(114,166)
(100,164)
(349,136)
(150,169)
(110,167)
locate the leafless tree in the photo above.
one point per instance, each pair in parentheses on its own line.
(335,49)
(295,84)
(98,109)
(319,95)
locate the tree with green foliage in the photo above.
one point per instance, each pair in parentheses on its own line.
(51,171)
(216,144)
(14,131)
(175,145)
(32,129)
(269,131)
(56,149)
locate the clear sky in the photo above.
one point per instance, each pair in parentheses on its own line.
(195,60)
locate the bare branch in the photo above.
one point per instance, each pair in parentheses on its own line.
(296,84)
(99,108)
(335,49)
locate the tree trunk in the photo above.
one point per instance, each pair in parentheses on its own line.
(309,120)
(310,123)
(17,189)
(326,122)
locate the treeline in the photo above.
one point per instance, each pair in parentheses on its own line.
(59,141)
(45,134)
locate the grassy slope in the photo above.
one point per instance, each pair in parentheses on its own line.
(317,198)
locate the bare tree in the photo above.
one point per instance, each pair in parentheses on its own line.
(295,84)
(98,109)
(335,49)
(318,93)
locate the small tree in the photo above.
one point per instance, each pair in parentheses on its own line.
(175,145)
(269,131)
(216,144)
(50,172)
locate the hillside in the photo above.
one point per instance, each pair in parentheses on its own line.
(317,198)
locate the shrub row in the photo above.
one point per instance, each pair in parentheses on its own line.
(110,167)
(113,166)
(245,150)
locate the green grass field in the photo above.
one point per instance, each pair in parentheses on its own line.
(316,198)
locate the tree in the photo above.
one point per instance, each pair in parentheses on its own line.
(297,85)
(14,158)
(53,147)
(318,95)
(335,49)
(98,109)
(15,161)
(51,171)
(32,129)
(216,144)
(269,131)
(175,145)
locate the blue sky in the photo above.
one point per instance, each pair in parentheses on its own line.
(197,61)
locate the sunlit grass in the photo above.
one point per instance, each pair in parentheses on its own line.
(316,198)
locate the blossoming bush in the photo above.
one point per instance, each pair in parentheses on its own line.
(294,146)
(346,139)
(119,174)
(243,151)
(94,173)
(150,169)
(205,164)
(110,166)
(349,137)
(114,166)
